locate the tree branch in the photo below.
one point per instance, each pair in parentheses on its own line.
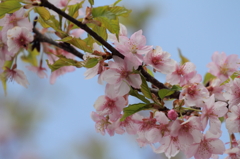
(65,46)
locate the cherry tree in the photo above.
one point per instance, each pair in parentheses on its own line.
(192,124)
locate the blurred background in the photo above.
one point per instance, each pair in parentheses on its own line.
(48,121)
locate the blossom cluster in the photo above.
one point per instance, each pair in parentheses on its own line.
(192,125)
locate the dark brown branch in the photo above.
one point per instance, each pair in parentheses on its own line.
(65,46)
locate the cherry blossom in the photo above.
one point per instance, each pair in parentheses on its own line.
(233,153)
(223,66)
(209,144)
(16,75)
(133,48)
(39,70)
(194,94)
(184,74)
(233,120)
(160,60)
(122,32)
(18,37)
(120,75)
(172,114)
(217,89)
(232,92)
(4,53)
(212,111)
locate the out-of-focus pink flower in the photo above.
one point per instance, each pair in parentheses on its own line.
(217,89)
(210,144)
(122,32)
(212,111)
(18,37)
(133,48)
(194,94)
(233,120)
(232,92)
(4,53)
(184,74)
(223,66)
(16,75)
(233,153)
(172,114)
(120,75)
(39,70)
(160,60)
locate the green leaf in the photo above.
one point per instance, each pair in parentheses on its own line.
(90,40)
(91,62)
(176,88)
(111,25)
(81,44)
(134,108)
(208,77)
(115,3)
(103,11)
(73,9)
(91,2)
(139,96)
(6,65)
(43,12)
(183,58)
(63,61)
(101,31)
(31,57)
(150,72)
(9,6)
(165,92)
(145,89)
(233,76)
(120,11)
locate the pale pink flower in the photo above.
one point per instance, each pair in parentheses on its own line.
(122,32)
(16,19)
(130,124)
(120,75)
(210,144)
(4,53)
(110,105)
(188,132)
(233,120)
(16,75)
(39,70)
(194,94)
(133,48)
(223,66)
(184,74)
(18,37)
(212,111)
(217,89)
(233,153)
(160,60)
(102,124)
(232,92)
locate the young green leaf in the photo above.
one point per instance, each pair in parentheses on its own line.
(208,77)
(134,108)
(145,89)
(183,58)
(43,12)
(73,9)
(165,92)
(91,62)
(31,57)
(176,88)
(9,6)
(91,2)
(81,44)
(139,96)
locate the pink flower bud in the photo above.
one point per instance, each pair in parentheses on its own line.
(172,114)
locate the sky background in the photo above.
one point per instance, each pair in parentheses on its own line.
(198,28)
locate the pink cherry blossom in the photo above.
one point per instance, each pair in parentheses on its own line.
(232,92)
(110,105)
(217,89)
(39,70)
(212,111)
(122,32)
(18,37)
(102,124)
(223,66)
(233,120)
(133,48)
(209,144)
(233,153)
(188,132)
(15,19)
(194,94)
(16,75)
(4,53)
(160,60)
(184,74)
(120,75)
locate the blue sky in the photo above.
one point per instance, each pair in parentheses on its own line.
(198,28)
